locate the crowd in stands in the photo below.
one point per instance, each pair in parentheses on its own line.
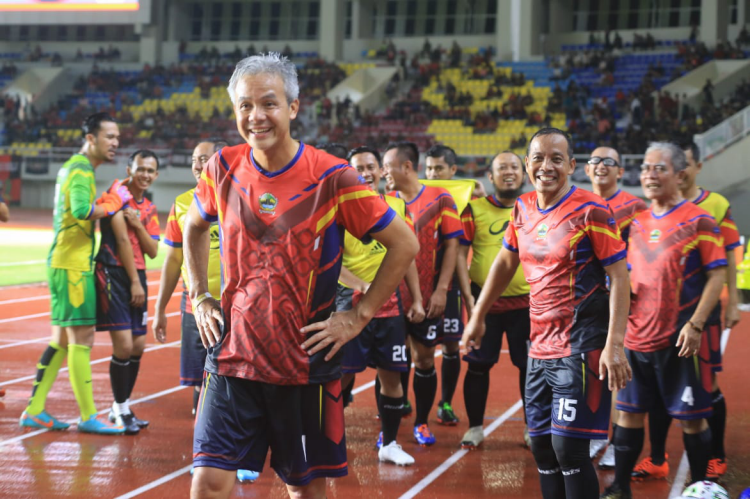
(626,122)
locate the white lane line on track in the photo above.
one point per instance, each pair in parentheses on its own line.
(28,262)
(97,361)
(47,297)
(44,314)
(679,478)
(156,395)
(426,481)
(182,471)
(156,483)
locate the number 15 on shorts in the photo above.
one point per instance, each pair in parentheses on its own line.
(566,410)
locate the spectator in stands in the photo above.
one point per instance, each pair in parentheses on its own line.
(4,211)
(617,43)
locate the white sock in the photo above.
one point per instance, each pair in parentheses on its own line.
(120,409)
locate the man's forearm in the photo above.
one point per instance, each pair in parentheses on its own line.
(170,275)
(732,278)
(709,297)
(448,266)
(149,245)
(391,272)
(501,272)
(124,247)
(196,249)
(619,307)
(462,271)
(412,282)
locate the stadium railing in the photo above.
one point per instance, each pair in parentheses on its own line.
(726,133)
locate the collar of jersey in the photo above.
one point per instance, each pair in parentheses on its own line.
(496,202)
(613,195)
(268,174)
(658,217)
(701,196)
(415,197)
(564,198)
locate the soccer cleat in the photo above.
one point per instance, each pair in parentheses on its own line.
(99,426)
(445,415)
(423,435)
(595,447)
(716,468)
(127,421)
(472,438)
(42,421)
(379,443)
(614,492)
(607,461)
(393,453)
(247,476)
(406,411)
(647,470)
(142,423)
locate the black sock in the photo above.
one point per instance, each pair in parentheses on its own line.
(476,388)
(425,388)
(135,365)
(628,446)
(346,392)
(658,429)
(449,371)
(718,422)
(390,416)
(196,398)
(550,473)
(119,378)
(377,392)
(698,447)
(405,376)
(577,469)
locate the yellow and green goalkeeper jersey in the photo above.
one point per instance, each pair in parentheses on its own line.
(363,260)
(75,191)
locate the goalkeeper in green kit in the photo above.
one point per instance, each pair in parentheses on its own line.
(71,277)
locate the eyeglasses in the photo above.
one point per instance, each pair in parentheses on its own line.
(595,160)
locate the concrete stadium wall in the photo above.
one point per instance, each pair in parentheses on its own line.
(724,76)
(728,173)
(353,48)
(365,87)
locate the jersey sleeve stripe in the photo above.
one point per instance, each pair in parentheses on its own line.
(204,215)
(172,243)
(733,245)
(464,242)
(454,234)
(614,258)
(592,203)
(722,262)
(384,221)
(508,246)
(332,170)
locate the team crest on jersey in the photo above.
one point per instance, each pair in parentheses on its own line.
(655,236)
(541,232)
(268,203)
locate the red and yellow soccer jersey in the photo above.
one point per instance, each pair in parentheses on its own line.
(484,222)
(282,236)
(364,259)
(435,221)
(669,255)
(564,250)
(173,238)
(625,206)
(718,207)
(146,211)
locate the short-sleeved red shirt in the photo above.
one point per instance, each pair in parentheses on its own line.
(282,236)
(668,256)
(435,221)
(146,211)
(564,250)
(625,206)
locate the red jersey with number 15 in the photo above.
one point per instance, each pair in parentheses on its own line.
(564,250)
(282,236)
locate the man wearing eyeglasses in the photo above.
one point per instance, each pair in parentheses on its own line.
(678,265)
(604,168)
